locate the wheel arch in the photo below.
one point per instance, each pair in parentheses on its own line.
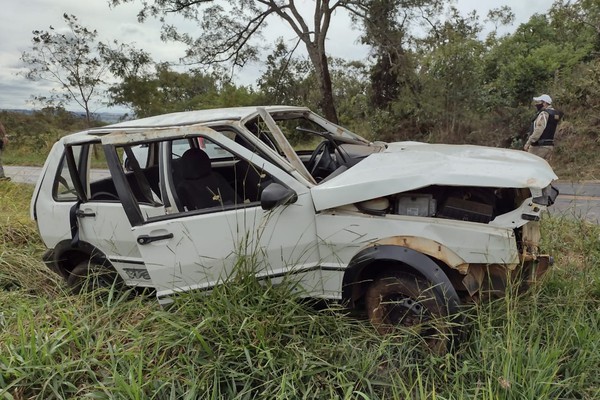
(65,256)
(375,260)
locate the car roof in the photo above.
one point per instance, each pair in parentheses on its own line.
(179,119)
(196,117)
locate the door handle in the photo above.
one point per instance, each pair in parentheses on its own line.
(81,214)
(145,239)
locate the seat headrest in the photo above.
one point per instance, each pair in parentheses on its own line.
(195,163)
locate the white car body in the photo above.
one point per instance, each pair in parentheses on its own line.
(463,217)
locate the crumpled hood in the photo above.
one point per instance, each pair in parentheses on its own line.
(406,166)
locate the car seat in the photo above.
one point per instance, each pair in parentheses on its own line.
(201,187)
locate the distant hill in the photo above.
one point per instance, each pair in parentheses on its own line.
(112,118)
(109,118)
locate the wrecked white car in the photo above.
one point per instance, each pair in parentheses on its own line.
(375,225)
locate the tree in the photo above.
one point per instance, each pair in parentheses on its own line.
(71,60)
(422,80)
(227,27)
(226,32)
(578,22)
(534,57)
(351,85)
(125,61)
(385,30)
(166,90)
(287,79)
(451,72)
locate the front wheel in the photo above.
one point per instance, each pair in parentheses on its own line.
(397,300)
(89,276)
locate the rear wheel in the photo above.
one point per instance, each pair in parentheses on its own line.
(395,301)
(89,276)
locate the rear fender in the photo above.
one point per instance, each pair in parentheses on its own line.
(64,257)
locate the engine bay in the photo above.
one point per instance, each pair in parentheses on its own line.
(473,204)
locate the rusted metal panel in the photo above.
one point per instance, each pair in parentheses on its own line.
(127,137)
(531,238)
(429,247)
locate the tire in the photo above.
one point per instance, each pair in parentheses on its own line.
(89,276)
(399,300)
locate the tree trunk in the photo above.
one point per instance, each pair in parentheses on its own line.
(327,104)
(88,118)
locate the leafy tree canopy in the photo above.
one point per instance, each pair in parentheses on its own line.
(226,29)
(166,91)
(69,59)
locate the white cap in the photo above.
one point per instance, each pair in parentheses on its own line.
(545,98)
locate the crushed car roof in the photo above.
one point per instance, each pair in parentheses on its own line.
(198,117)
(180,119)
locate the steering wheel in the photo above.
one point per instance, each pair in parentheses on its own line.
(312,161)
(332,144)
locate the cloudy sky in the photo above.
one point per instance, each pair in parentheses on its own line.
(18,18)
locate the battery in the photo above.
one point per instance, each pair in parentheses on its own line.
(466,210)
(417,205)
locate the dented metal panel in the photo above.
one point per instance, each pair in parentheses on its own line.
(199,117)
(80,138)
(408,167)
(344,233)
(287,148)
(121,137)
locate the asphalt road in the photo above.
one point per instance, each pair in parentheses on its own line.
(579,200)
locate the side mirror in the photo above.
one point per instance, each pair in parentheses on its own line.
(276,195)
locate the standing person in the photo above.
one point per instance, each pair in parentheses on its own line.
(3,143)
(541,138)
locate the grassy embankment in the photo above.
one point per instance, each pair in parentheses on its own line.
(248,341)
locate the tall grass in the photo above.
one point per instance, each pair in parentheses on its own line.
(247,340)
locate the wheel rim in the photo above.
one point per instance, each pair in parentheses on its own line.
(401,310)
(397,303)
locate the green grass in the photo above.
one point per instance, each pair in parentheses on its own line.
(244,340)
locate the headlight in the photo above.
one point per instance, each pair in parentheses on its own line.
(549,194)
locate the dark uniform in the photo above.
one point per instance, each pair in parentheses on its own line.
(543,128)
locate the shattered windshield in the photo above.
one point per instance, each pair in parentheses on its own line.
(303,131)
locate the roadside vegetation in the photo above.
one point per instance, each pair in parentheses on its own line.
(454,79)
(245,340)
(32,136)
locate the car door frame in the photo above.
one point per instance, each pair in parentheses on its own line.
(101,226)
(156,232)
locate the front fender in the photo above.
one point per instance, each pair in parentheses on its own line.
(366,266)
